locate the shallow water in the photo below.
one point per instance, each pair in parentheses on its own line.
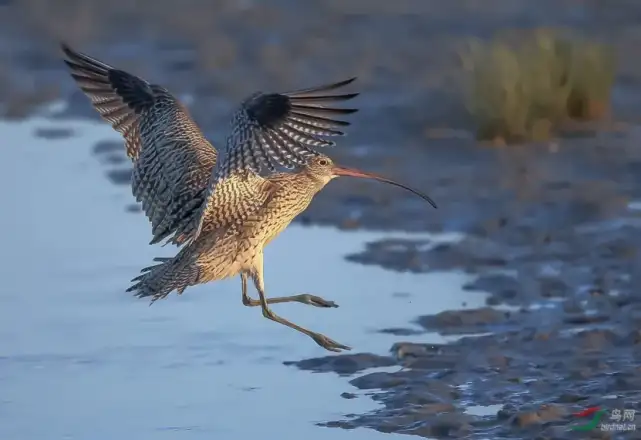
(80,358)
(483,410)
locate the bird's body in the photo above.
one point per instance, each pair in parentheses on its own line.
(224,252)
(237,249)
(216,204)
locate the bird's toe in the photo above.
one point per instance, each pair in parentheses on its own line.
(317,301)
(329,344)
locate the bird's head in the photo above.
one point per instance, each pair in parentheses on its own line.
(323,169)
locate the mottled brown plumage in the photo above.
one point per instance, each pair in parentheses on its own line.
(237,249)
(222,207)
(176,168)
(220,253)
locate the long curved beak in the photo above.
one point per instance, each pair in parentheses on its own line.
(342,171)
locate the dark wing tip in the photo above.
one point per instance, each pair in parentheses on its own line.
(286,128)
(343,111)
(66,48)
(344,83)
(268,109)
(338,84)
(71,54)
(350,80)
(307,100)
(346,96)
(318,90)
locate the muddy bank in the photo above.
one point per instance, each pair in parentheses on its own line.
(563,267)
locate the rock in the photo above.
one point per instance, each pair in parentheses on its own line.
(498,361)
(435,408)
(585,319)
(344,364)
(570,398)
(526,418)
(446,425)
(633,338)
(495,283)
(545,413)
(596,339)
(400,331)
(552,412)
(404,350)
(553,288)
(463,318)
(378,380)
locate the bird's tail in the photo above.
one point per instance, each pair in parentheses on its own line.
(161,279)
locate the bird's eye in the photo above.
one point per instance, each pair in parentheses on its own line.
(323,162)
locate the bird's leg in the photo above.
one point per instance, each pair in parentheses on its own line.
(305,298)
(322,340)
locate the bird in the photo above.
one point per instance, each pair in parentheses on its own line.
(221,207)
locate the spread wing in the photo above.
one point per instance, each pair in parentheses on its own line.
(276,129)
(172,159)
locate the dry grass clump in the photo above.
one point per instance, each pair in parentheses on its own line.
(529,88)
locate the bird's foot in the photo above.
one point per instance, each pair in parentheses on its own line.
(315,301)
(328,344)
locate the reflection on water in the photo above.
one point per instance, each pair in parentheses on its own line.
(80,358)
(483,410)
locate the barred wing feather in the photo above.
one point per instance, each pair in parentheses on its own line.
(272,130)
(172,159)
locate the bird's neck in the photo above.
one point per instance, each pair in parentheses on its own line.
(301,185)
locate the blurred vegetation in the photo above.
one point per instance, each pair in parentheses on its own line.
(529,87)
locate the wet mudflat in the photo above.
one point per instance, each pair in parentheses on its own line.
(86,359)
(550,232)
